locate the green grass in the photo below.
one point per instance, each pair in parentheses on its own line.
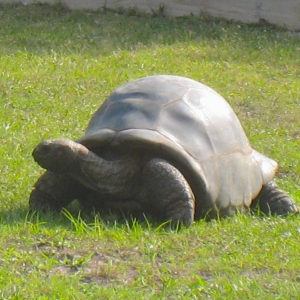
(57,66)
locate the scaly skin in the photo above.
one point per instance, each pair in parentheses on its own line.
(128,184)
(272,201)
(167,193)
(53,191)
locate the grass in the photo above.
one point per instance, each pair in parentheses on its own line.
(57,66)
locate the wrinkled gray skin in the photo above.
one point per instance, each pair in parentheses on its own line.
(163,146)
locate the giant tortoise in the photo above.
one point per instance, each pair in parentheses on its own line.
(163,146)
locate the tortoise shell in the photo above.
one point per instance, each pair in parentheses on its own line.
(191,126)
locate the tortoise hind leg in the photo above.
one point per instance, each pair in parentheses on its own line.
(167,193)
(53,191)
(272,201)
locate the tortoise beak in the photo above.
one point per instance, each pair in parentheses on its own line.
(43,153)
(41,149)
(55,154)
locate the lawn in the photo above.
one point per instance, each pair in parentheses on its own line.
(57,66)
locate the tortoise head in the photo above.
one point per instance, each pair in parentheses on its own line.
(58,155)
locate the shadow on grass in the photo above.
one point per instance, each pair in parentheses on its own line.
(72,218)
(14,215)
(42,29)
(22,215)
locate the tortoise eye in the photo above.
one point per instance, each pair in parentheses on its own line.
(44,149)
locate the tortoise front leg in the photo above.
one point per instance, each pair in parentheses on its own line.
(53,191)
(167,194)
(272,201)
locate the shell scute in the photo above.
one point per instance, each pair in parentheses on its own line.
(193,127)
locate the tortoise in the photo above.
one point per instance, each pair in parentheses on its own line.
(163,146)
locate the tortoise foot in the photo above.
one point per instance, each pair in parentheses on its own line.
(40,201)
(53,191)
(273,201)
(169,196)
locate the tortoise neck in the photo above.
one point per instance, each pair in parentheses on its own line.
(113,174)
